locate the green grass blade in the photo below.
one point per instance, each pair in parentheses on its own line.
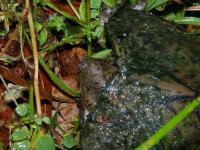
(102,54)
(187,20)
(151,4)
(169,126)
(64,87)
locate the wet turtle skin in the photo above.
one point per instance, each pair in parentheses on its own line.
(157,75)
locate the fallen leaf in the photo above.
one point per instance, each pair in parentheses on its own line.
(4,138)
(70,60)
(67,111)
(11,76)
(66,116)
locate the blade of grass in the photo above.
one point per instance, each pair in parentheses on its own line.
(64,87)
(187,20)
(102,54)
(151,4)
(169,126)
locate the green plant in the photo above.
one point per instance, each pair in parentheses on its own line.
(83,28)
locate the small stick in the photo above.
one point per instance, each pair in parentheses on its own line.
(35,56)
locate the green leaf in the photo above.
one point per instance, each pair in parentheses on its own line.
(180,14)
(110,3)
(4,32)
(94,13)
(102,54)
(42,37)
(96,4)
(38,120)
(20,134)
(82,10)
(187,20)
(1,146)
(151,4)
(133,1)
(46,120)
(98,32)
(69,141)
(76,123)
(94,24)
(161,7)
(37,26)
(170,16)
(22,110)
(38,1)
(57,22)
(45,142)
(23,145)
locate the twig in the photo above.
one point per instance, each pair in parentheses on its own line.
(35,56)
(74,9)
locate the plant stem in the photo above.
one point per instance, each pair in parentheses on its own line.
(88,17)
(88,12)
(68,40)
(31,99)
(35,56)
(38,133)
(169,126)
(89,48)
